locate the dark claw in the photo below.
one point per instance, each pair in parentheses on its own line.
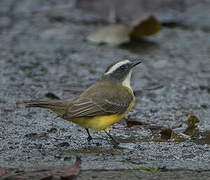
(114,142)
(89,138)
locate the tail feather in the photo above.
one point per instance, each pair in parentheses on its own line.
(59,106)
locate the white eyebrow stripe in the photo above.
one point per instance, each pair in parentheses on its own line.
(114,67)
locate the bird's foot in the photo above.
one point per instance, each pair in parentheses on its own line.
(89,138)
(115,143)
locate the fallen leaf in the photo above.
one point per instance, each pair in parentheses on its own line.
(133,122)
(117,34)
(191,125)
(51,95)
(46,173)
(166,134)
(112,34)
(192,121)
(147,27)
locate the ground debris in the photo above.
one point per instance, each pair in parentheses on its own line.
(116,34)
(190,131)
(167,133)
(34,135)
(138,123)
(51,95)
(43,173)
(191,125)
(146,27)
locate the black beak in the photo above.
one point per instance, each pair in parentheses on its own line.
(134,63)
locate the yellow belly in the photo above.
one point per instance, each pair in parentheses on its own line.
(101,122)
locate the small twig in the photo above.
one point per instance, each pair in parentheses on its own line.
(139,92)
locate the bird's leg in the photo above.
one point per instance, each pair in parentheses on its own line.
(114,142)
(89,136)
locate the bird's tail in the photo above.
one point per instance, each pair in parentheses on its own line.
(58,106)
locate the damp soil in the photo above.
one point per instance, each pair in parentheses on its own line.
(42,55)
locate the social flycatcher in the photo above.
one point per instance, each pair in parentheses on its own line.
(102,104)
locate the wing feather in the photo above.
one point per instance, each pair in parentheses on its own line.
(105,101)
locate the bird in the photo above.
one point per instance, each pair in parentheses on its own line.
(102,104)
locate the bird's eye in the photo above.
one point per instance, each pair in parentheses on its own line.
(122,67)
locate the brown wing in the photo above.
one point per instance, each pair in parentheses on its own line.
(103,98)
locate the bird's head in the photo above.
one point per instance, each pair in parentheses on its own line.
(120,71)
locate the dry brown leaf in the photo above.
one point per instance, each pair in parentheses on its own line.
(137,123)
(168,133)
(191,125)
(192,121)
(43,173)
(133,122)
(117,34)
(147,27)
(113,34)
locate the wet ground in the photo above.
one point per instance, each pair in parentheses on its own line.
(40,53)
